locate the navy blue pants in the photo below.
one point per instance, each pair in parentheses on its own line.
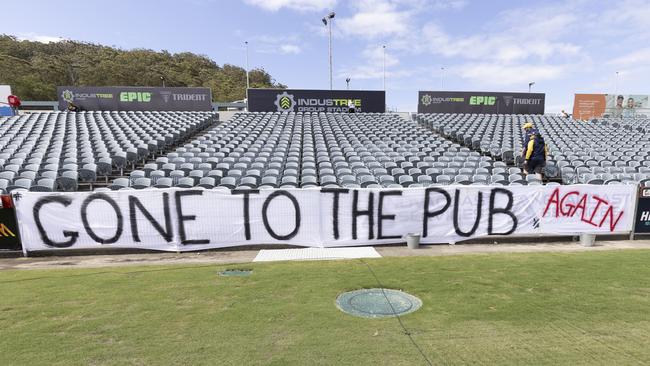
(535,165)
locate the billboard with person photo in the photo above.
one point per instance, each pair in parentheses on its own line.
(626,105)
(588,106)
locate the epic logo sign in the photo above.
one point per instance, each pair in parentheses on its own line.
(482,100)
(142,97)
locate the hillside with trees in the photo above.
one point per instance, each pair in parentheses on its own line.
(35,69)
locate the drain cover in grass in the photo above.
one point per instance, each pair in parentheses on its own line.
(374,303)
(236,272)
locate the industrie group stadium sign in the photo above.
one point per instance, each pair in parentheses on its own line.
(304,100)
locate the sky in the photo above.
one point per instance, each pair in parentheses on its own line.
(564,47)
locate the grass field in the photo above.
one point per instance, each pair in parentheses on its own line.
(505,309)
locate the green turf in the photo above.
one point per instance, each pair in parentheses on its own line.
(502,309)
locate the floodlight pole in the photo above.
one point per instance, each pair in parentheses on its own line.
(530,85)
(384,60)
(248,85)
(442,78)
(616,88)
(327,20)
(329,23)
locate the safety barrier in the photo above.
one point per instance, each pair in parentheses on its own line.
(195,219)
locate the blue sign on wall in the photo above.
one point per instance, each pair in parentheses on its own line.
(5,109)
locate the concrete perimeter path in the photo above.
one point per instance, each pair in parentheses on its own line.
(246,256)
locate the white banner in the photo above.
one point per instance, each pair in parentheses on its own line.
(184,220)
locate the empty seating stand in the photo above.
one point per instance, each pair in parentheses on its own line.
(271,150)
(60,151)
(145,150)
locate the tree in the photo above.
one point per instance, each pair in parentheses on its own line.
(35,69)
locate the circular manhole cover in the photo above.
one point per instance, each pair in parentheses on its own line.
(374,303)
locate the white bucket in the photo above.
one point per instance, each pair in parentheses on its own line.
(587,240)
(413,240)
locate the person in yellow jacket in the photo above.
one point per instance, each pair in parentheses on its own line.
(529,129)
(536,152)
